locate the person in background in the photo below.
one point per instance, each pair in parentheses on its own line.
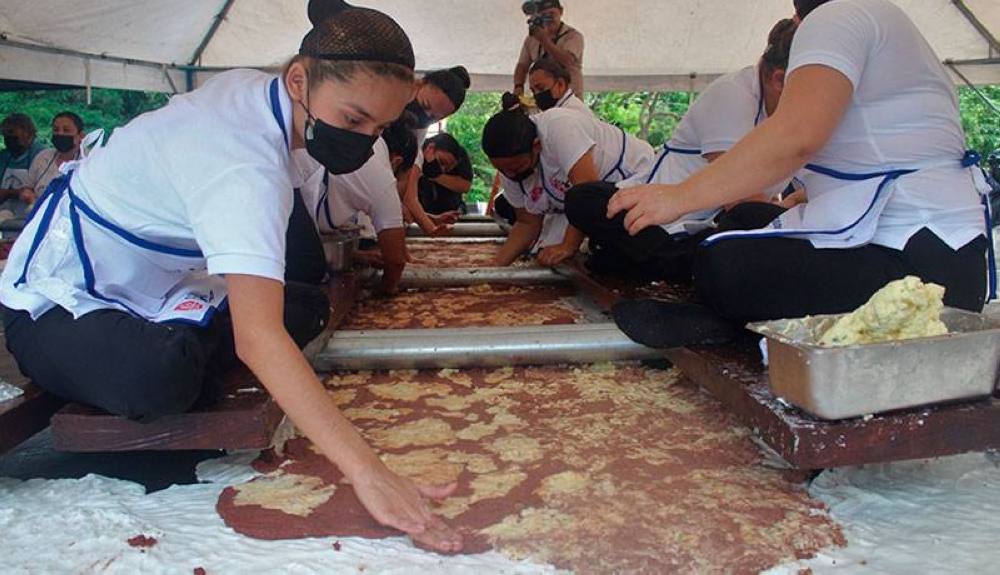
(550,85)
(439,94)
(540,158)
(549,36)
(725,112)
(161,259)
(872,116)
(446,175)
(67,134)
(20,148)
(336,201)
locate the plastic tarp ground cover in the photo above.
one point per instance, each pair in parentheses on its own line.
(630,44)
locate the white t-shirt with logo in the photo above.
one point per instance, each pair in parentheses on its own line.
(566,135)
(370,190)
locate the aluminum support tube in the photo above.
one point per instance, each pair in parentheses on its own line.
(460,277)
(479,347)
(465,230)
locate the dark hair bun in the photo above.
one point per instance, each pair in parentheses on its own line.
(407,121)
(463,75)
(321,10)
(510,102)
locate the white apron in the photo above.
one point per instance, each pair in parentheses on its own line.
(116,268)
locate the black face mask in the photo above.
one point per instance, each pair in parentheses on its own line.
(340,151)
(545,100)
(13,145)
(522,176)
(424,120)
(63,143)
(432,169)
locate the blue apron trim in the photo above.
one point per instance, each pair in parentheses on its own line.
(53,193)
(887,178)
(324,202)
(276,110)
(621,159)
(972,158)
(667,150)
(130,237)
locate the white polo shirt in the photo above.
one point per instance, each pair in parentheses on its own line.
(370,190)
(566,135)
(903,114)
(728,109)
(210,171)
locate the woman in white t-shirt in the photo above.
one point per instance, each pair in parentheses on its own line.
(725,112)
(161,259)
(541,157)
(337,200)
(872,113)
(67,135)
(549,81)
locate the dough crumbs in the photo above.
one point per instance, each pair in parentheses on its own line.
(143,541)
(408,391)
(427,466)
(565,483)
(285,492)
(517,448)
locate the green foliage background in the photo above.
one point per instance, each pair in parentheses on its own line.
(652,116)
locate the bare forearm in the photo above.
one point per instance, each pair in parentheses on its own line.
(520,75)
(521,236)
(456,184)
(573,238)
(392,244)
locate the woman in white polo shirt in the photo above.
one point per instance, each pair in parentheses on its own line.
(336,200)
(725,112)
(549,81)
(542,156)
(119,291)
(873,115)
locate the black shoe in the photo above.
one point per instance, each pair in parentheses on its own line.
(663,324)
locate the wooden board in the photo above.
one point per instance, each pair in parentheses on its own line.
(734,376)
(26,415)
(245,416)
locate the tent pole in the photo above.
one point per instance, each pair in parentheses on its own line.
(978,25)
(978,92)
(87,82)
(223,13)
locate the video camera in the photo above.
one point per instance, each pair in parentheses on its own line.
(533,8)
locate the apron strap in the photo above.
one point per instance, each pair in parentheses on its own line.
(621,158)
(667,150)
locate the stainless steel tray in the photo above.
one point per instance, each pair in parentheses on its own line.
(857,380)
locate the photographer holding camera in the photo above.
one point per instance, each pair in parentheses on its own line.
(549,36)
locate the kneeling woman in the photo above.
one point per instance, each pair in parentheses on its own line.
(136,274)
(890,190)
(337,200)
(725,112)
(446,175)
(541,157)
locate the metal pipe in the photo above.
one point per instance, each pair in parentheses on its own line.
(989,103)
(459,277)
(466,230)
(479,347)
(216,23)
(978,25)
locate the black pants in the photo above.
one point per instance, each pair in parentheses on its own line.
(437,199)
(143,370)
(749,279)
(651,253)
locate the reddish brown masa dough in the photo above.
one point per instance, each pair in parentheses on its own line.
(597,469)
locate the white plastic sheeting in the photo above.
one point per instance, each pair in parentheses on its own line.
(631,44)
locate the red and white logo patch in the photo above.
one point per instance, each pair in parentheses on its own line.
(189,306)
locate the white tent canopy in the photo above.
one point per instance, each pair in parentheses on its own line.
(630,44)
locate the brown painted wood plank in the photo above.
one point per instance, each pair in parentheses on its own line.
(26,415)
(244,416)
(734,376)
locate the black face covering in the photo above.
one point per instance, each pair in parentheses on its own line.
(340,151)
(432,169)
(521,176)
(424,120)
(545,100)
(63,143)
(13,145)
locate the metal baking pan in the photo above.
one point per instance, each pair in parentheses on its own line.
(857,380)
